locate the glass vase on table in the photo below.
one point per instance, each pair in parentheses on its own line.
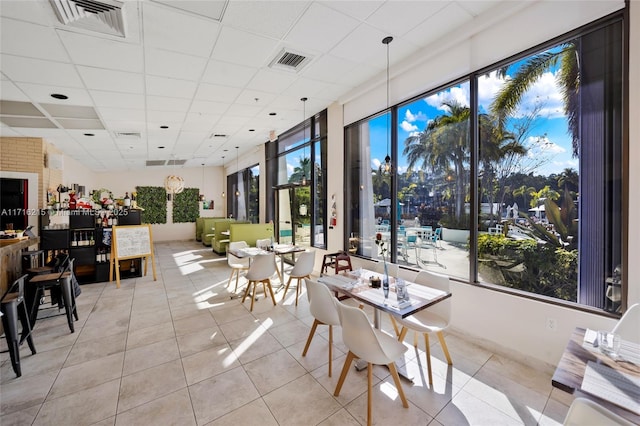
(385,282)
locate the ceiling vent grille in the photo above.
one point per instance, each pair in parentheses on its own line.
(176,162)
(127,135)
(156,162)
(103,16)
(290,60)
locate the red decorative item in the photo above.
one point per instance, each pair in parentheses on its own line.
(72,200)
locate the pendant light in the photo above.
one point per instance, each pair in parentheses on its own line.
(173,184)
(225,173)
(386,167)
(304,140)
(202,195)
(237,175)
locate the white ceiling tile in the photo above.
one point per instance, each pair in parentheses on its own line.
(477,7)
(237,110)
(111,80)
(189,34)
(355,8)
(217,93)
(29,11)
(207,107)
(155,119)
(271,81)
(30,40)
(42,94)
(163,86)
(11,92)
(117,100)
(329,68)
(103,53)
(37,71)
(226,74)
(399,17)
(364,42)
(122,114)
(174,65)
(437,26)
(321,28)
(271,19)
(212,9)
(255,51)
(248,97)
(163,103)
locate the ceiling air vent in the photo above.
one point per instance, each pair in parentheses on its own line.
(290,60)
(127,135)
(103,16)
(176,162)
(156,162)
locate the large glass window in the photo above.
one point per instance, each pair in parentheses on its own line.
(543,187)
(243,194)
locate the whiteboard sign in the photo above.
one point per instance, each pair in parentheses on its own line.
(132,241)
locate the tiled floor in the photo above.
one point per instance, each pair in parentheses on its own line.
(180,351)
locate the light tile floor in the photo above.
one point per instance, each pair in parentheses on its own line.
(181,351)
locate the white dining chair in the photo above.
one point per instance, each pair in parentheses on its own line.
(584,412)
(628,326)
(434,319)
(323,307)
(371,345)
(302,269)
(262,268)
(264,243)
(237,264)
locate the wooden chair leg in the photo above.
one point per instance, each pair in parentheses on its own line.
(246,291)
(396,380)
(311,333)
(273,297)
(253,295)
(286,288)
(427,352)
(233,271)
(395,325)
(345,370)
(444,347)
(330,348)
(402,334)
(369,392)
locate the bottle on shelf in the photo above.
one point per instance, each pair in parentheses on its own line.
(105,222)
(74,241)
(92,242)
(110,220)
(127,200)
(115,218)
(98,256)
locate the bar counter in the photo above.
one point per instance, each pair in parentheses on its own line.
(11,261)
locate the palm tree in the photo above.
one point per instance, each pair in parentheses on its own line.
(569,179)
(444,143)
(301,171)
(567,78)
(524,191)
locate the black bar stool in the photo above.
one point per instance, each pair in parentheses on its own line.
(13,307)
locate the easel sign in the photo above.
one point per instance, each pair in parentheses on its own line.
(131,242)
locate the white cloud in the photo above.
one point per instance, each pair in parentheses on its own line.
(410,117)
(458,94)
(541,145)
(488,87)
(568,164)
(408,127)
(375,163)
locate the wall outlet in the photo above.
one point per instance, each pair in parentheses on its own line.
(552,324)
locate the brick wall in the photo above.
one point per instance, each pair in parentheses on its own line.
(27,155)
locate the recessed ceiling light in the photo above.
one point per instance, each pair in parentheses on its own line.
(89,134)
(164,127)
(272,113)
(161,147)
(59,96)
(252,130)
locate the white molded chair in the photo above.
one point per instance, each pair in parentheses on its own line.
(372,345)
(302,269)
(261,270)
(585,412)
(264,244)
(323,307)
(627,327)
(434,319)
(236,264)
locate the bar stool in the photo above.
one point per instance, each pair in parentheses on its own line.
(62,282)
(13,307)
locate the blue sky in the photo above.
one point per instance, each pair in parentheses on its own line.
(549,141)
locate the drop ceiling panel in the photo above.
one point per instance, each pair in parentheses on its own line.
(40,72)
(117,100)
(69,111)
(112,80)
(237,110)
(217,93)
(397,21)
(163,86)
(122,114)
(364,42)
(175,65)
(329,68)
(29,11)
(11,92)
(197,34)
(248,97)
(163,103)
(19,108)
(256,51)
(359,10)
(42,94)
(226,74)
(271,81)
(103,53)
(164,118)
(271,19)
(69,123)
(435,27)
(321,28)
(27,122)
(213,9)
(207,107)
(476,7)
(30,40)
